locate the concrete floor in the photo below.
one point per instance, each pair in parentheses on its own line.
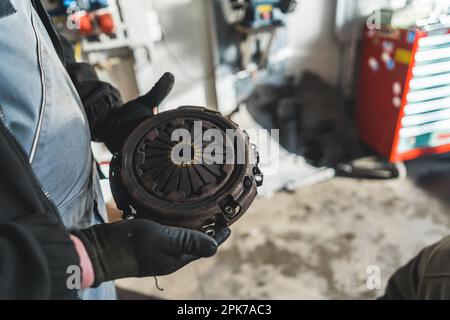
(318,242)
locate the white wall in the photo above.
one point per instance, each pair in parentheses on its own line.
(184,50)
(311,35)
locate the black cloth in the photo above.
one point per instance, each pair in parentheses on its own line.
(24,273)
(35,250)
(6,9)
(426,277)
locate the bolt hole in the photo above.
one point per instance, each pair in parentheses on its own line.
(229,210)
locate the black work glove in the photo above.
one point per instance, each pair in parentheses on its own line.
(120,122)
(110,120)
(143,248)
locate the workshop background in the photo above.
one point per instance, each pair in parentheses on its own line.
(360,92)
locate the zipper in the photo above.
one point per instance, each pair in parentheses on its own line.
(2,117)
(22,154)
(48,24)
(50,200)
(50,27)
(44,18)
(44,93)
(37,185)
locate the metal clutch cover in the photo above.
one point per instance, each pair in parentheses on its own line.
(152,179)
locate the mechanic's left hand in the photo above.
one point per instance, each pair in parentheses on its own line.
(143,248)
(120,122)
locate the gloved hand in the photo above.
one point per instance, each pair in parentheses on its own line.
(143,248)
(120,122)
(109,119)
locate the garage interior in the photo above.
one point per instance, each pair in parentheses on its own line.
(317,241)
(334,78)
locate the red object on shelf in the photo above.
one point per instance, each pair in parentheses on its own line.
(106,23)
(86,25)
(403,102)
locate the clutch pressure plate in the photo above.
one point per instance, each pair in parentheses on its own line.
(189,167)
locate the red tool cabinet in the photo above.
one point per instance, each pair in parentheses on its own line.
(403,101)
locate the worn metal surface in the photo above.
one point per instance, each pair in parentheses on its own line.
(205,179)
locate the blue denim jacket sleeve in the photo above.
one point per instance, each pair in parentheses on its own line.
(20,76)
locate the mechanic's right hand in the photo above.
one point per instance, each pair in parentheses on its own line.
(142,248)
(120,122)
